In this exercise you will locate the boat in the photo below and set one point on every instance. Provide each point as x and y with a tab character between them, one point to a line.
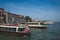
47	22
12	23
14	29
36	25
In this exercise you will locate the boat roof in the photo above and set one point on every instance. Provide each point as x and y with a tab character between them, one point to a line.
12	26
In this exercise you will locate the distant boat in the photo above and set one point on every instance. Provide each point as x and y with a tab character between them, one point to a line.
36	25
14	29
48	22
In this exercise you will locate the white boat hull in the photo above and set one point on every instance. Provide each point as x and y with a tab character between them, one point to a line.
38	26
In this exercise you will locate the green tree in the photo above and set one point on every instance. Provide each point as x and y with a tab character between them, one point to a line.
28	19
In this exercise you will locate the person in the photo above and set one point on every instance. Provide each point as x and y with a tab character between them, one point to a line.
17	24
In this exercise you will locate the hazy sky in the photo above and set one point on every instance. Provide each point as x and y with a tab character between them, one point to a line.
41	9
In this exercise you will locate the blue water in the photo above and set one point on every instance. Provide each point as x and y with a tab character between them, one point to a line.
52	32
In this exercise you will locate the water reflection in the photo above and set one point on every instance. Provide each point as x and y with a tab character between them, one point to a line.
12	37
39	34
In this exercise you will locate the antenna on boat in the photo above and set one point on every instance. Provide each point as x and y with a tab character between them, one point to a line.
36	19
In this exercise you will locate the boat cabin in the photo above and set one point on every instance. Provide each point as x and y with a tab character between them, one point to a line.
35	23
12	28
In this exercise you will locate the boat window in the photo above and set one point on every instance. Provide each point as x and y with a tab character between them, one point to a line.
21	29
6	28
0	28
41	24
14	29
33	23
9	29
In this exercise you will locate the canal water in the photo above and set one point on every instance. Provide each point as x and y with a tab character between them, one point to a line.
52	32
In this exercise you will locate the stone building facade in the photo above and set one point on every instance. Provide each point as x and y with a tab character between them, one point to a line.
7	17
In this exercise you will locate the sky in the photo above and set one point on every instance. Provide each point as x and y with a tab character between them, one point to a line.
40	9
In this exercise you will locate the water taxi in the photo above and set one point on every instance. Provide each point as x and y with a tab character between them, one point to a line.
36	25
14	29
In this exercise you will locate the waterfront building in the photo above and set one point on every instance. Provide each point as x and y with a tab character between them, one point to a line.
8	17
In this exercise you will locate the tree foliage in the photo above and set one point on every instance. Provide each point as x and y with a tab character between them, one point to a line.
28	19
